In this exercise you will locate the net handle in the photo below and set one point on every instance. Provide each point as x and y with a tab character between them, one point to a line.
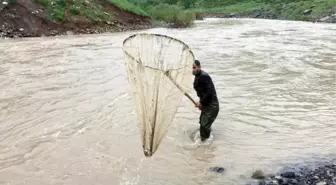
185	93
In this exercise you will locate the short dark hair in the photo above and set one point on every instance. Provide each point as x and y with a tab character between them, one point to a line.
197	63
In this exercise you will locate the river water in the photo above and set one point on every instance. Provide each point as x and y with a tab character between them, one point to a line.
67	116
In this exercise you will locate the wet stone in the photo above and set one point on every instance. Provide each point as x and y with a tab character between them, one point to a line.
217	169
324	175
258	175
321	183
290	175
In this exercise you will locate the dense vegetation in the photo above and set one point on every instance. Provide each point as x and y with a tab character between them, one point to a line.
171	13
278	9
182	12
92	10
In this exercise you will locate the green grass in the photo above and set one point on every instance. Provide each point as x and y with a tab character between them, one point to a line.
171	14
234	8
44	2
92	11
284	9
55	9
75	10
126	5
294	11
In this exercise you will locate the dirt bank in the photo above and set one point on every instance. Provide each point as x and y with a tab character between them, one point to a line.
28	18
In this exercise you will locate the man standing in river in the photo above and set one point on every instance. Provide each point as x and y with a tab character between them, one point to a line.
208	103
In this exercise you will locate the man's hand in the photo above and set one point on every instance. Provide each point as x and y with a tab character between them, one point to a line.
198	105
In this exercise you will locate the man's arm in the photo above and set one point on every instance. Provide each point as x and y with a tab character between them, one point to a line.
208	90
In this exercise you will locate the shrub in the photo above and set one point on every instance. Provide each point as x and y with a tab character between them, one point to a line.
171	14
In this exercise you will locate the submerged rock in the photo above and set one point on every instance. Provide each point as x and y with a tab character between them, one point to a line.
258	175
217	169
288	175
256	182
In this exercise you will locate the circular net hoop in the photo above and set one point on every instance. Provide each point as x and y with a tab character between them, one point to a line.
149	58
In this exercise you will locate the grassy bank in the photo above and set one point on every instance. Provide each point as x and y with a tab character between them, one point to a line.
126	5
171	14
233	8
33	18
93	10
306	10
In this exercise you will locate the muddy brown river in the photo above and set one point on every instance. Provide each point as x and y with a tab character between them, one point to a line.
67	118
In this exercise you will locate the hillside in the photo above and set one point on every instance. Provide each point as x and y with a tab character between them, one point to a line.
302	10
27	18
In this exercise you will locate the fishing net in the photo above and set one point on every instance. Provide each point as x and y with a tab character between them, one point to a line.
159	72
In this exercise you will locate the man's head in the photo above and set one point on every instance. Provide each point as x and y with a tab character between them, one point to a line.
196	67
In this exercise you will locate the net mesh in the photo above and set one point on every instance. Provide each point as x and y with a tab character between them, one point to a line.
159	71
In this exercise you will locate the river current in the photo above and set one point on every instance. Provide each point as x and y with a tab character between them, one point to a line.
67	118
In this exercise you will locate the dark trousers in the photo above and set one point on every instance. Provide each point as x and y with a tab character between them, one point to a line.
208	116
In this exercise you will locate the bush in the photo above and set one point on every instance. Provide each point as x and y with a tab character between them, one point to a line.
164	12
55	9
128	6
44	2
57	14
186	16
171	14
61	3
74	10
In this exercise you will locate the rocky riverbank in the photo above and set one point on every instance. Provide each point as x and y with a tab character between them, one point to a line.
321	175
280	12
8	31
260	13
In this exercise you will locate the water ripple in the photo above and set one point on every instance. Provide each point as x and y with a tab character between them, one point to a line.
67	116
